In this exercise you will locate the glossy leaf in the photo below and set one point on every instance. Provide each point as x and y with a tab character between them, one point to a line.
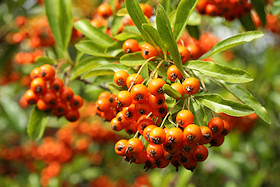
232	42
60	20
115	89
91	48
95	34
216	71
218	104
88	63
37	123
246	97
137	16
199	113
154	36
184	10
107	69
170	91
45	60
132	59
165	33
10	108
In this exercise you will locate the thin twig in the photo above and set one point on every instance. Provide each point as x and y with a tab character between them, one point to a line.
168	114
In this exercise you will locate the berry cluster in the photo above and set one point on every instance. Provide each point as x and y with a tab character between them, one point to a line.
139	110
229	9
50	94
180	146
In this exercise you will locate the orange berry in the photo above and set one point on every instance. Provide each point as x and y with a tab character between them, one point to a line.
157	135
173	73
66	94
149	51
184	53
104	10
133	79
38	85
184	118
120	77
191	86
124	98
155	86
192	133
130	46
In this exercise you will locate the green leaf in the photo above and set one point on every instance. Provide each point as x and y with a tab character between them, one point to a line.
166	5
115	49
132	59
95	34
259	7
216	71
45	60
246	97
137	16
14	113
132	30
115	89
91	48
184	10
247	22
171	92
199	113
122	12
232	42
107	69
165	33
37	123
124	36
60	21
218	104
154	36
87	64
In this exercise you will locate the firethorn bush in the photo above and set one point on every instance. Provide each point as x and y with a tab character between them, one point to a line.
90	87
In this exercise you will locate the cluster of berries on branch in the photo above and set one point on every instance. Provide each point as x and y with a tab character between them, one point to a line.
51	95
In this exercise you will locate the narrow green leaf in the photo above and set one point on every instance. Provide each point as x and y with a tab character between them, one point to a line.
166	5
37	123
95	34
216	71
91	48
10	108
199	114
170	91
165	33
154	36
184	10
247	22
122	12
260	9
246	97
124	36
232	42
132	30
115	89
107	69
60	20
194	31
137	16
45	60
218	104
132	59
115	49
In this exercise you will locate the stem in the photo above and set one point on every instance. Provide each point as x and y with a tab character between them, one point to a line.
139	72
168	114
155	70
184	103
135	134
189	101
